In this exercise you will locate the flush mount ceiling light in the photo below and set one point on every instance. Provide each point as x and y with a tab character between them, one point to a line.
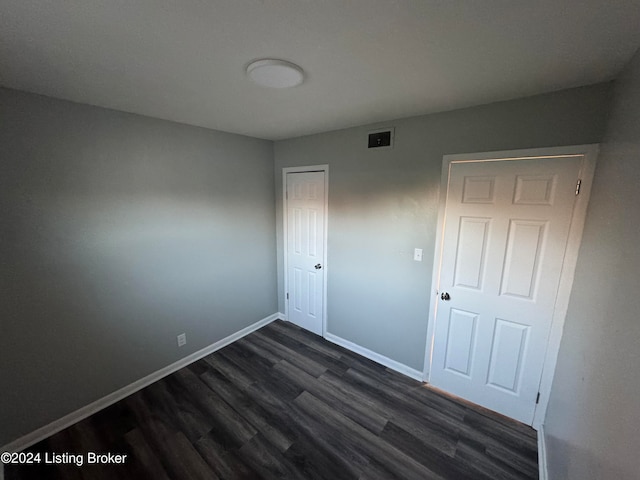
275	73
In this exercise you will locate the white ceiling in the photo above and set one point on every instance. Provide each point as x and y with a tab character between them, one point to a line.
366	60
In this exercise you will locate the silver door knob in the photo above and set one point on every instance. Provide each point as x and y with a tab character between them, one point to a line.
318	266
445	296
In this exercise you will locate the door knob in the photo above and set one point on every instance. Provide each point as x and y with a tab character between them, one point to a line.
445	296
318	266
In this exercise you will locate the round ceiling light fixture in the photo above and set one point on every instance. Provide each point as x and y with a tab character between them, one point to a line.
275	73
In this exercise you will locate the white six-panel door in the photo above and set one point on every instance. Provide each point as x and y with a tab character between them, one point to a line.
504	240
305	207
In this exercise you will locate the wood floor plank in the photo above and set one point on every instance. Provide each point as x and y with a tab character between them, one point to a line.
341	403
443	404
503	454
303	362
438	431
87	439
175	452
229	369
151	466
179	410
364	397
311	340
316	460
501	433
425	453
310	430
482	465
262	373
253	413
263	457
225	418
358	438
285	403
402	404
225	463
259	350
310	349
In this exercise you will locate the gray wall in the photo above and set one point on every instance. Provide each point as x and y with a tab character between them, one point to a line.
118	232
593	420
383	204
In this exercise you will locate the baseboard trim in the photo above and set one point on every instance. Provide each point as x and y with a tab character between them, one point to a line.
376	357
88	410
542	455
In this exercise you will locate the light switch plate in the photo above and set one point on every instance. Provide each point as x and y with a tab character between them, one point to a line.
417	254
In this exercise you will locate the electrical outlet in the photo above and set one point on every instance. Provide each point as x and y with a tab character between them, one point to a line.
182	339
417	254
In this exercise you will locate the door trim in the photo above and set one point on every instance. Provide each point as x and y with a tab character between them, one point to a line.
311	168
589	154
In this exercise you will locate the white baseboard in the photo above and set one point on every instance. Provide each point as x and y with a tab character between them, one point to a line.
88	410
542	455
376	357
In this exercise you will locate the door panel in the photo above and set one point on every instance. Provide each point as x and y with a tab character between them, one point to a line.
470	261
522	258
460	341
507	351
504	238
305	205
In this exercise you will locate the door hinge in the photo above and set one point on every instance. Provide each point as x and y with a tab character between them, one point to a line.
538	398
578	185
287	296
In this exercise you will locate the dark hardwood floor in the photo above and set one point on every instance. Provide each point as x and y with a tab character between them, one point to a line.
284	403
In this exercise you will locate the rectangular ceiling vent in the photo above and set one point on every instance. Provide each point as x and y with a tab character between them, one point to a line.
381	139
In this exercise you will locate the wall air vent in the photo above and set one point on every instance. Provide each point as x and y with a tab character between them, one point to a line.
381	139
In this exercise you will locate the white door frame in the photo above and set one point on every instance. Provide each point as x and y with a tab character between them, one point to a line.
310	168
589	154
